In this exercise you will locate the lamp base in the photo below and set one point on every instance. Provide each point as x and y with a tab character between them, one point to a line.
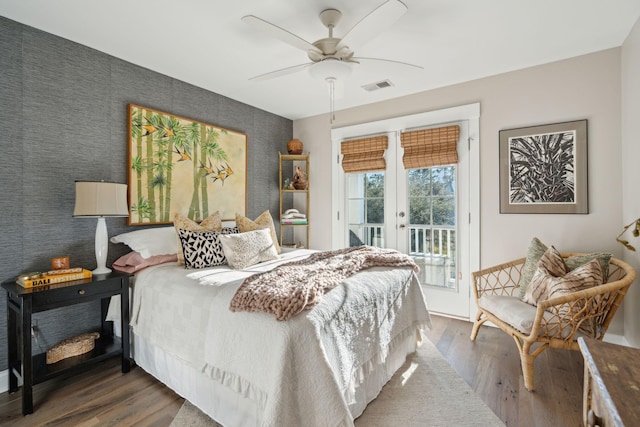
101	270
102	243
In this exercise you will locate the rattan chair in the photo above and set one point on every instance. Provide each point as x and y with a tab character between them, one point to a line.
545	326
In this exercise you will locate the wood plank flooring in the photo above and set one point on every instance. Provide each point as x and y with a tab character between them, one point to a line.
491	366
103	396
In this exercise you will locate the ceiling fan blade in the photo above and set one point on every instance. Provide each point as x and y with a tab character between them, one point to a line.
279	33
389	61
374	23
282	72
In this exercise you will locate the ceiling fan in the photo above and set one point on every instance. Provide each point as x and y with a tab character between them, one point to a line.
332	58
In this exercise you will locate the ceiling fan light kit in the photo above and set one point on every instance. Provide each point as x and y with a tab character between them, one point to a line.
330	68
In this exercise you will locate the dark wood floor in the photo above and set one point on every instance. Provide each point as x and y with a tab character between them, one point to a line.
104	396
491	366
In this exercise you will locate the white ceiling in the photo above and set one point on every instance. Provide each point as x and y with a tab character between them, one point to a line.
204	42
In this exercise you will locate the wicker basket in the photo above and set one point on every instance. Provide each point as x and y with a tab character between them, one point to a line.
73	346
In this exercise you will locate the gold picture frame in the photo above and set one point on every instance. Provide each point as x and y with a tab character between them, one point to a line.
543	169
180	165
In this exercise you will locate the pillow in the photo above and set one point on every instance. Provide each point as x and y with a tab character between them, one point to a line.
134	262
550	264
150	241
534	252
537	248
603	259
230	230
201	249
211	223
583	277
263	221
245	249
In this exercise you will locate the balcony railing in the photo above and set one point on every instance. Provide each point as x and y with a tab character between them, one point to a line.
433	249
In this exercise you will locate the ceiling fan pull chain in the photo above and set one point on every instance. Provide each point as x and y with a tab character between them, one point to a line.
331	82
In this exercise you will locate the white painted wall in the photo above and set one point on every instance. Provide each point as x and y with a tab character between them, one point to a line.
631	171
585	87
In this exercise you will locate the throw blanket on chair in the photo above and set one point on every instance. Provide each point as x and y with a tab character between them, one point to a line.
299	285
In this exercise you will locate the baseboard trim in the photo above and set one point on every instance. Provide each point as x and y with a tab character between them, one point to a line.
616	339
4	381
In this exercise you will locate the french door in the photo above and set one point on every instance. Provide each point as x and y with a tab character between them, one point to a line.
422	212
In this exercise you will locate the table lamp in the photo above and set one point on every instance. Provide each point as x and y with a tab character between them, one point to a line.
100	199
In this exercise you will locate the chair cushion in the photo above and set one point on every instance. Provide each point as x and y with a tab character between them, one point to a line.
520	315
510	310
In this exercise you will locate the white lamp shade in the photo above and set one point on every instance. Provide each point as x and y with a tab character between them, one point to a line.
99	199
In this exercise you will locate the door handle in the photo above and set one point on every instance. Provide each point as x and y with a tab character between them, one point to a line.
402	226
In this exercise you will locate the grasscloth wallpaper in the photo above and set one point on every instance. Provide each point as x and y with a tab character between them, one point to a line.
64	117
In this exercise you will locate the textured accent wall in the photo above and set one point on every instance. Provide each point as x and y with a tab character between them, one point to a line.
64	117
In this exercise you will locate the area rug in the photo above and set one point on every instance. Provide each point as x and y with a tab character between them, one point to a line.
425	391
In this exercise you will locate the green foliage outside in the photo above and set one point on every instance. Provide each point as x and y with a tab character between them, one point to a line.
432	202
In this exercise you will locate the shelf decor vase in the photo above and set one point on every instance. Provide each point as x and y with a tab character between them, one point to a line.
294	146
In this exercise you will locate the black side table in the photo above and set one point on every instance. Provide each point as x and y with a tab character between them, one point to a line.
23	302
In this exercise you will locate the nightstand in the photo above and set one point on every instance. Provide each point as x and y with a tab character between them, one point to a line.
23	302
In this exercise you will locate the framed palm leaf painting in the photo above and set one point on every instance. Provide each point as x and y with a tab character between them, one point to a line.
543	169
180	165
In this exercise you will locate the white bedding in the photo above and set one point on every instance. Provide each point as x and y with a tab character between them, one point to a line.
305	371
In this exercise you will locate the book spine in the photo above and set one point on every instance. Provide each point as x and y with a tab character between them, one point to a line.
63	271
56	278
294	222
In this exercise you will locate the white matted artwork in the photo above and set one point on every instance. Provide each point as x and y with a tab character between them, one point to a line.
543	169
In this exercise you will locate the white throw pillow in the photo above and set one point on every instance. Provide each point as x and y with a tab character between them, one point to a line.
245	249
150	241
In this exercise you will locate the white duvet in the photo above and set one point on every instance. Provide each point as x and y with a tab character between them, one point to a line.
300	372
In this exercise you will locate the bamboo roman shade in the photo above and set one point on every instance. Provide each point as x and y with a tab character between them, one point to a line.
430	147
364	154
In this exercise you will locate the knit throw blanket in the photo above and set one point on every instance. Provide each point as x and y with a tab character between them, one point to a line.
299	285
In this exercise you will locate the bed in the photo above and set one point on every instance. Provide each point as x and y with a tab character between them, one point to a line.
320	367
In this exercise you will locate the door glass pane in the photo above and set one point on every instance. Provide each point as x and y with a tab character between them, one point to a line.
356	184
366	208
356	211
432	224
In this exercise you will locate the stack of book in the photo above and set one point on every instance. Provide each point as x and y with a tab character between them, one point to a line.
294	218
29	280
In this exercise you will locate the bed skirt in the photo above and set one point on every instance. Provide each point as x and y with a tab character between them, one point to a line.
232	409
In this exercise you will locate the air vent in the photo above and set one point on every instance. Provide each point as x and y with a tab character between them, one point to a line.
378	85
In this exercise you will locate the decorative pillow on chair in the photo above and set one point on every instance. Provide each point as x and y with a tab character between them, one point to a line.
211	223
537	249
545	284
263	221
246	249
534	252
201	249
551	264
